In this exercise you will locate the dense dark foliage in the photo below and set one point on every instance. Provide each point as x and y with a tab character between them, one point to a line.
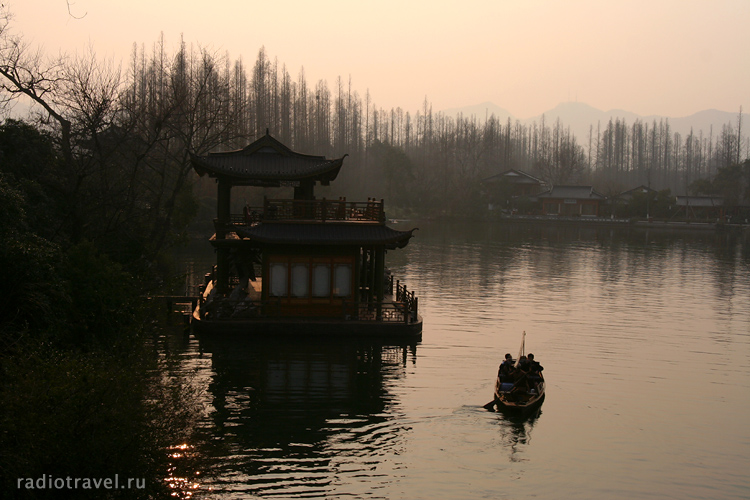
82	394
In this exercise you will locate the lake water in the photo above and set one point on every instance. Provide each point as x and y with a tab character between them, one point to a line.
645	341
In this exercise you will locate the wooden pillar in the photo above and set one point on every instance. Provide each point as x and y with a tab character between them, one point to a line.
379	279
362	275
223	216
371	276
223	205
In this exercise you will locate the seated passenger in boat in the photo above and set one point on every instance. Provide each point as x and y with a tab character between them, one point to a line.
520	375
505	373
534	369
523	364
521	380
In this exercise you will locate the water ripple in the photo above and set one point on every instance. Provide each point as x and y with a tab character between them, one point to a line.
645	341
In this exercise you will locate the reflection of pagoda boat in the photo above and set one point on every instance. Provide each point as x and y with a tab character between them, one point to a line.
290	416
299	266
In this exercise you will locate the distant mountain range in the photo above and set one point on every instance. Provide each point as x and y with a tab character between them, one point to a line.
576	115
580	117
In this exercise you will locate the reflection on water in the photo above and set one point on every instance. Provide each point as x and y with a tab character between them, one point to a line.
302	418
182	483
318	419
645	340
515	432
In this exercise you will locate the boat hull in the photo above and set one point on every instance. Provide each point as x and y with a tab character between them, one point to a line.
521	402
307	327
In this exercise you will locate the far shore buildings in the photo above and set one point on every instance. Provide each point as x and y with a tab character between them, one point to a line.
621	204
571	200
514	192
627	196
505	188
700	207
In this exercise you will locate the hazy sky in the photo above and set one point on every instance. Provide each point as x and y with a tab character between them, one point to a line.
653	57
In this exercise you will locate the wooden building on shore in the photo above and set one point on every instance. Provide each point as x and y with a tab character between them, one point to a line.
700	207
571	200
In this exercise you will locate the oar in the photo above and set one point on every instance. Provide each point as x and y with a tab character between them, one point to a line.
490	405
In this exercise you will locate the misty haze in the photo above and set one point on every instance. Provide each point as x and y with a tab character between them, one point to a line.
280	250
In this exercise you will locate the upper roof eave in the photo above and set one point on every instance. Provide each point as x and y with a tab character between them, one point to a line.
266	169
266	160
519	174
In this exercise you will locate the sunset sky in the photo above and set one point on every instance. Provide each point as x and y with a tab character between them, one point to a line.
654	57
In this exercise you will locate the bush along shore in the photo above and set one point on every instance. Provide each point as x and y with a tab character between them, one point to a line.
86	398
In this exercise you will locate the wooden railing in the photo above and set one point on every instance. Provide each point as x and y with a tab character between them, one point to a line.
226	309
404	296
311	211
323	210
222	308
386	312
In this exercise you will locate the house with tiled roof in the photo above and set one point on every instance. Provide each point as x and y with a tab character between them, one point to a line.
571	201
700	207
505	189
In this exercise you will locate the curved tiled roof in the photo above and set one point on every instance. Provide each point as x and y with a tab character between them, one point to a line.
263	166
574	192
267	160
327	234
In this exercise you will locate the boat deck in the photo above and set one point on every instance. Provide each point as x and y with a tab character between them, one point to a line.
391	317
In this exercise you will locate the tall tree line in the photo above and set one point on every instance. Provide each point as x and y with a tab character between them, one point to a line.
194	100
651	154
450	156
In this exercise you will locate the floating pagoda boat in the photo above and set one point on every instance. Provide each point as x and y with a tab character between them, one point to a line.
299	266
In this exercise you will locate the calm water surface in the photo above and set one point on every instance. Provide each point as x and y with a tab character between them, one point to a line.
645	341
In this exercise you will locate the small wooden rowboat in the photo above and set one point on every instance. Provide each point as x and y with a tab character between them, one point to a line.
518	398
519	393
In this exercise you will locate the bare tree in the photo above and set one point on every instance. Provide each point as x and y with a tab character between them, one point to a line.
27	73
739	136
